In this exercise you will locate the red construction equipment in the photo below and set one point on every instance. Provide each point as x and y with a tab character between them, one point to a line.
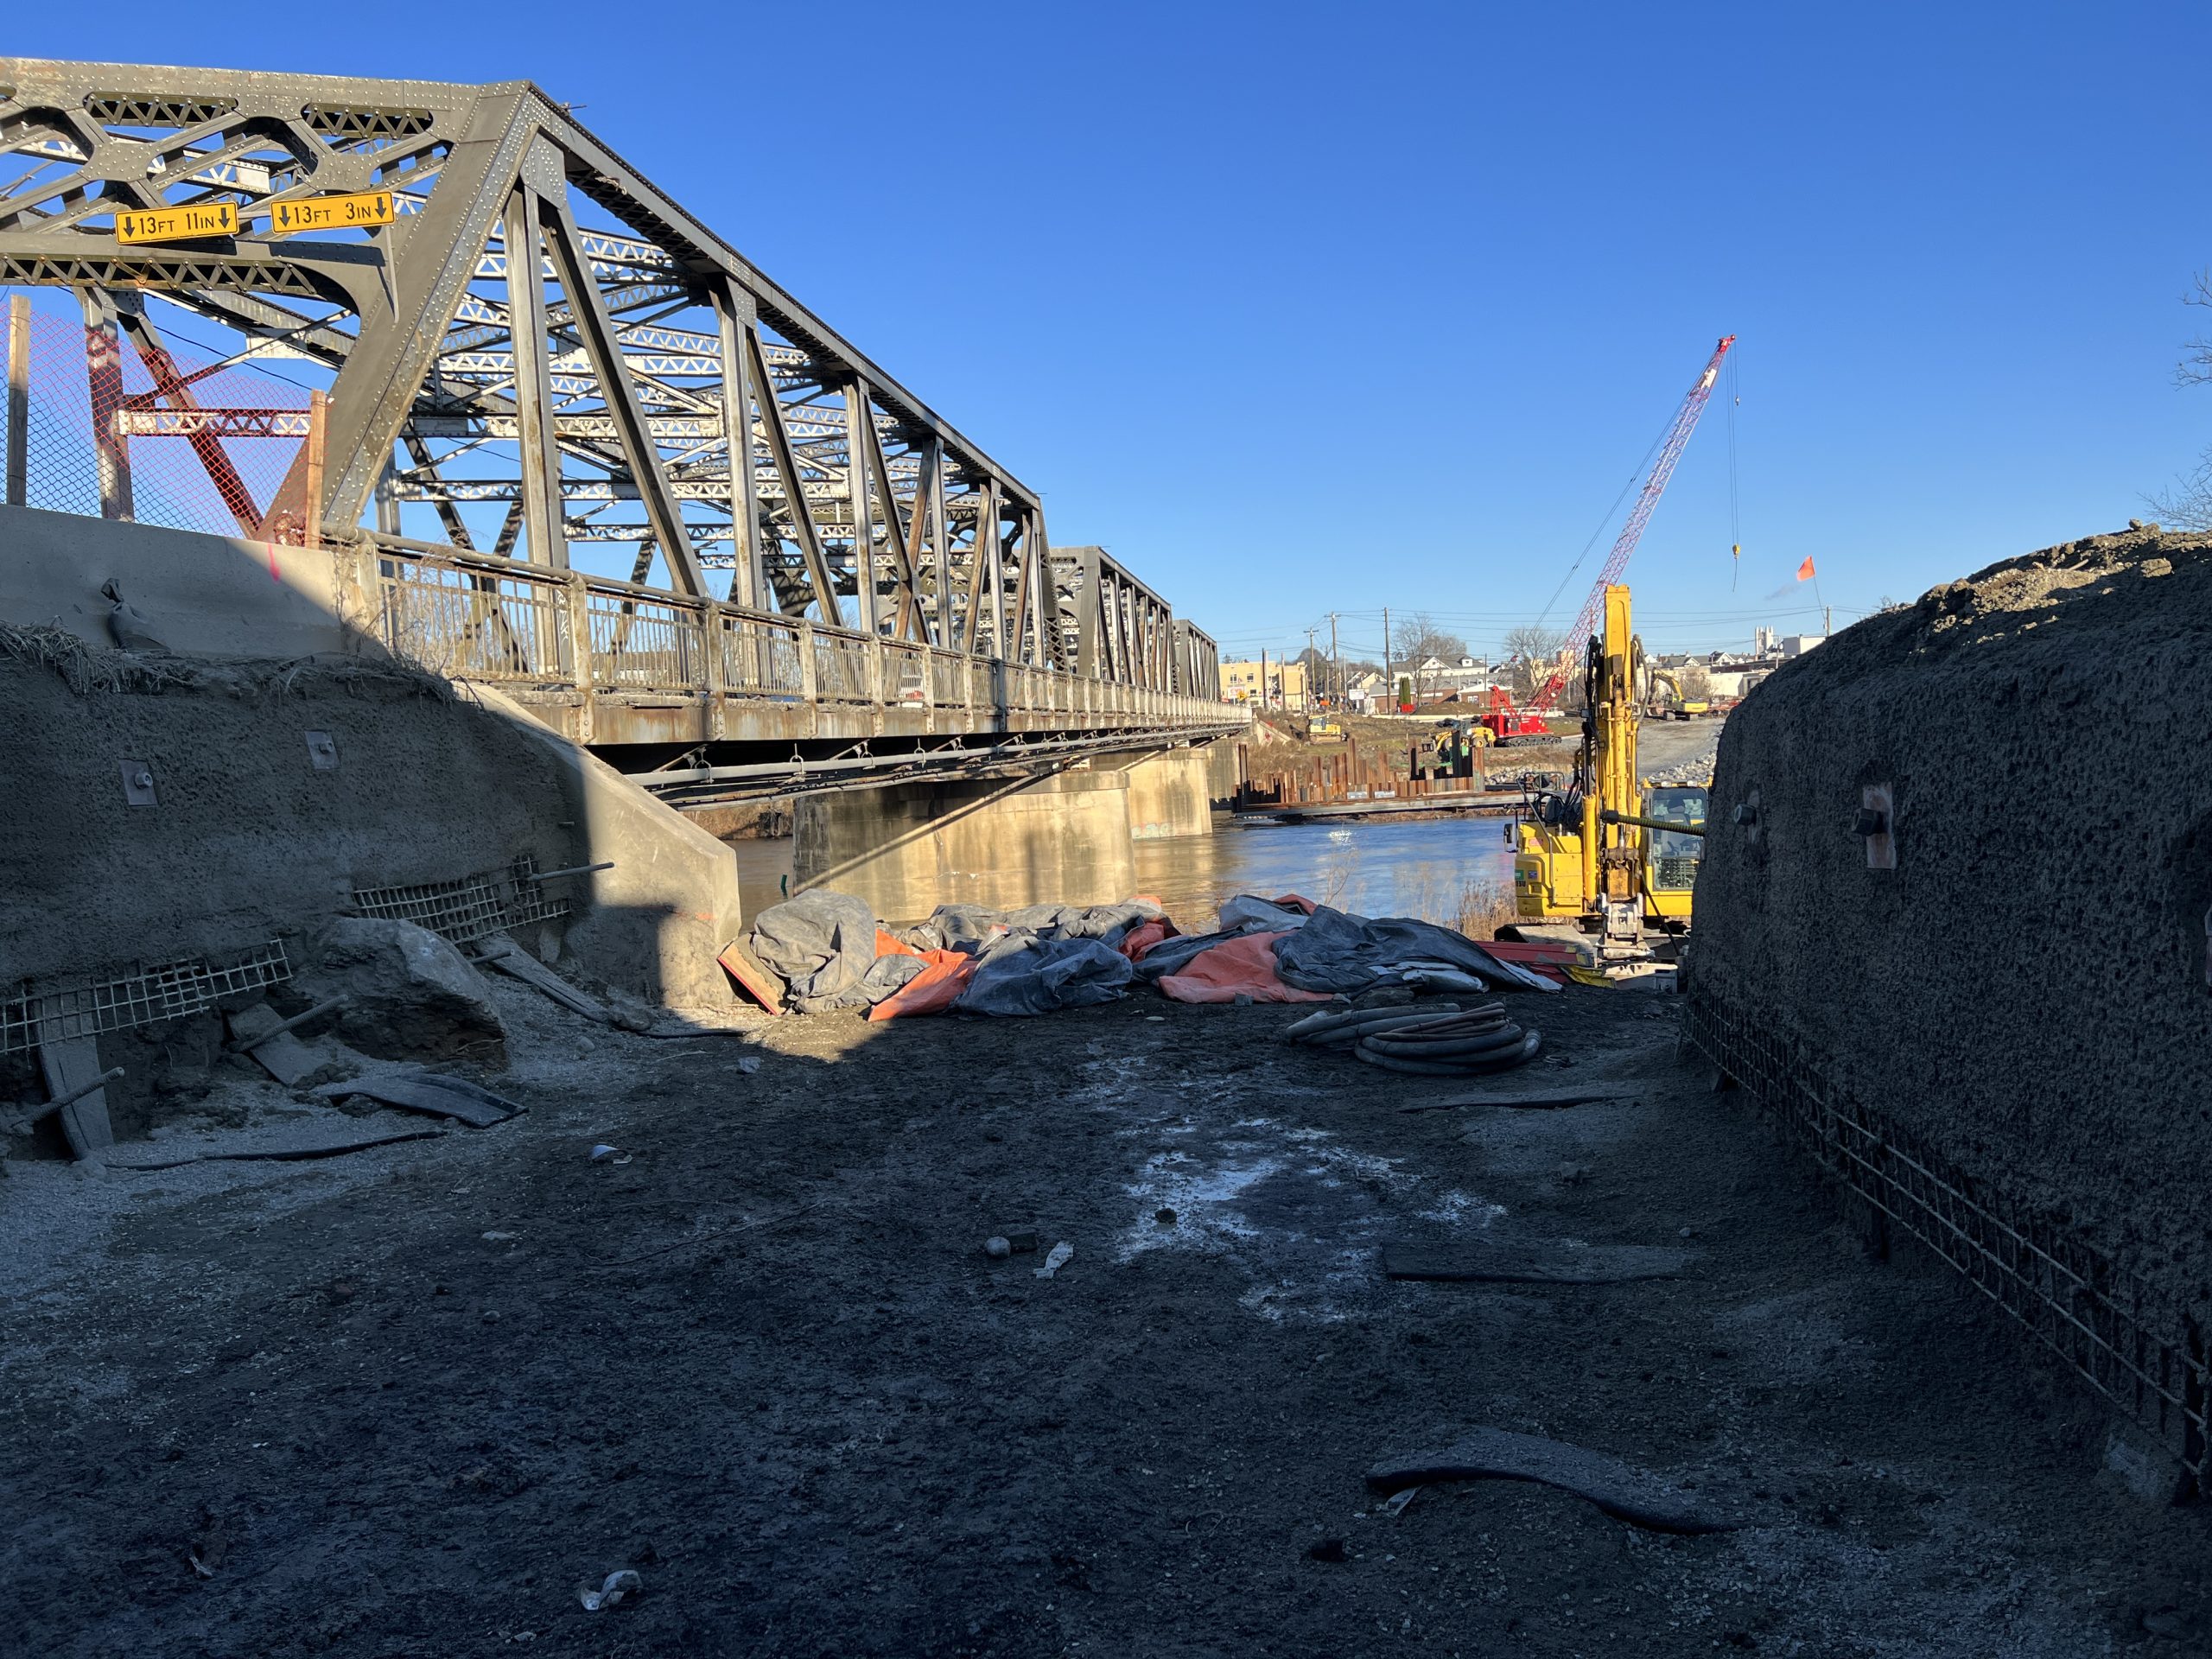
1678	436
1504	722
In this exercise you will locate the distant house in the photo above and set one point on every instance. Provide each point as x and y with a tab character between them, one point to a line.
1365	693
1433	677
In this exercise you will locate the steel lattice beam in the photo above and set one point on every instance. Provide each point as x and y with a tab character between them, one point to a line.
602	398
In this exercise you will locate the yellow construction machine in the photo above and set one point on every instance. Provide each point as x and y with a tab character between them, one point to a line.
1591	856
1605	853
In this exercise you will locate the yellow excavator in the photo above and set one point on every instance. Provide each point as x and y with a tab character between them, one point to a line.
1606	854
1601	854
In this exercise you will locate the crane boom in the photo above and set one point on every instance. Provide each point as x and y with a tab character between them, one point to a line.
1678	438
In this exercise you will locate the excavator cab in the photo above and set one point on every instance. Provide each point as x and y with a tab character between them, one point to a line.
1601	853
1670	856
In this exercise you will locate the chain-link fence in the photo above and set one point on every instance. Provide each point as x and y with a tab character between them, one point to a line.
119	421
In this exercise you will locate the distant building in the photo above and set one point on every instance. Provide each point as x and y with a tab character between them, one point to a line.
1737	678
1763	643
1433	677
1798	643
1284	686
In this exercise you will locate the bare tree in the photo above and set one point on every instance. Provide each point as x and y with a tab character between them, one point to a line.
1533	651
2187	504
1419	639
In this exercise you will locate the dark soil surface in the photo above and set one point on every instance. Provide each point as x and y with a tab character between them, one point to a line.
404	1402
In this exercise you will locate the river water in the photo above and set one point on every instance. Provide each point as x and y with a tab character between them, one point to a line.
1430	869
1377	868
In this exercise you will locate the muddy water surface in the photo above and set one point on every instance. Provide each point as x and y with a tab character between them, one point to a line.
1377	869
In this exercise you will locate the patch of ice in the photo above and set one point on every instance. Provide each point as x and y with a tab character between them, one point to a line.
1464	1208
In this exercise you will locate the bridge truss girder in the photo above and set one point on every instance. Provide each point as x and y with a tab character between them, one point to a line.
1112	626
597	403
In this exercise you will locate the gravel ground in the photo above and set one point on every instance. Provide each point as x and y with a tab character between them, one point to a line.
1677	751
406	1401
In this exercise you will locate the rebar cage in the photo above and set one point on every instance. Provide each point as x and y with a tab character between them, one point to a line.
2105	1323
142	996
471	908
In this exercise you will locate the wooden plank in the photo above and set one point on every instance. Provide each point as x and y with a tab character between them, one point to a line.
282	1154
1540	1102
1619	1489
70	1063
432	1092
1551	1264
760	982
260	1033
511	958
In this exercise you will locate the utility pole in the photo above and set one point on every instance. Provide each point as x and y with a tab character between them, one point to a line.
1336	667
1389	682
1309	655
1263	677
1827	621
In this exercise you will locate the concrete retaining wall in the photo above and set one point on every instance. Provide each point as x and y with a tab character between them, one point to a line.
247	840
2025	993
210	595
655	923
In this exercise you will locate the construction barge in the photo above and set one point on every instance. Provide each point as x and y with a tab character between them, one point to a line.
1351	786
1483	803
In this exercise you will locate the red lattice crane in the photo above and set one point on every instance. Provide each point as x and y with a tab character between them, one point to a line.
1678	436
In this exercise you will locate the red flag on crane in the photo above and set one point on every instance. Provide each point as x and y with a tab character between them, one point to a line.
1805	570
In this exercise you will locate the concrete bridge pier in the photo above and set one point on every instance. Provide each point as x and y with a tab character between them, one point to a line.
1068	838
1171	791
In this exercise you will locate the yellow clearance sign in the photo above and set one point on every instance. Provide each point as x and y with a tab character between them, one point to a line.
367	210
178	224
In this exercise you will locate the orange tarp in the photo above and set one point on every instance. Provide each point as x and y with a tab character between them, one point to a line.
1141	938
932	990
1244	966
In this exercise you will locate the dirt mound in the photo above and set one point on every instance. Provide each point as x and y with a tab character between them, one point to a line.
2026	992
2097	584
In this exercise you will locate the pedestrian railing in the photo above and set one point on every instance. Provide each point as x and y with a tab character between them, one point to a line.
473	616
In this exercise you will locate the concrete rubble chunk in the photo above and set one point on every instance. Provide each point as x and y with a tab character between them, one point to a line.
2142	1468
410	995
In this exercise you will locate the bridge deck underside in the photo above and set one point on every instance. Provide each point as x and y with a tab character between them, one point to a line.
605	719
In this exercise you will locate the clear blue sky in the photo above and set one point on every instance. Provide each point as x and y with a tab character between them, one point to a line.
1300	307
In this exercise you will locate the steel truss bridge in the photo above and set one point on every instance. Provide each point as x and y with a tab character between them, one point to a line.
544	351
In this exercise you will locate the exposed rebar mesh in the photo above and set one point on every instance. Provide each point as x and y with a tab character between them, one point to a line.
42	1014
2105	1323
471	908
